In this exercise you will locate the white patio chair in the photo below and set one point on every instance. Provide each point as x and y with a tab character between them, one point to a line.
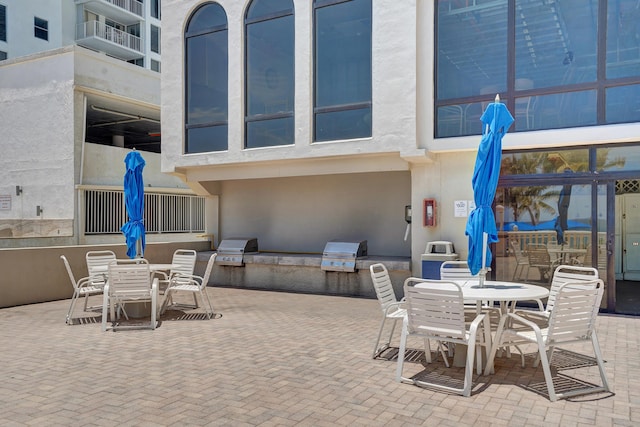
129	280
571	320
98	264
521	270
184	261
435	310
460	271
391	307
82	287
561	275
193	284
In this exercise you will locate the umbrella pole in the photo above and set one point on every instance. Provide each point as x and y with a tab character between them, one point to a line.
483	270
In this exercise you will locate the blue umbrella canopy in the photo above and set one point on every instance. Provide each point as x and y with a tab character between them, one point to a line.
495	123
133	229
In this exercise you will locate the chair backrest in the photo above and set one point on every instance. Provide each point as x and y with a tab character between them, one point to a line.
456	270
185	261
517	252
575	310
538	255
435	308
207	271
129	278
68	267
383	286
569	273
98	263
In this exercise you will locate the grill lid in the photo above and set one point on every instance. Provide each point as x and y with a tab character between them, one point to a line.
340	255
231	251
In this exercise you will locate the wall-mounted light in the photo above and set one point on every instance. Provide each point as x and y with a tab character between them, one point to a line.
18	190
39	210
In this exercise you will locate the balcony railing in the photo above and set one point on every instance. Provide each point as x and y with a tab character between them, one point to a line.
111	34
104	212
132	6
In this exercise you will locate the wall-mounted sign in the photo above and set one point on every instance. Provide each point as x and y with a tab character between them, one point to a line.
5	202
460	208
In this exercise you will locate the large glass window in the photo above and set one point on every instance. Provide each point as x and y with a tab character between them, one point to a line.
206	80
269	27
552	62
342	75
155	8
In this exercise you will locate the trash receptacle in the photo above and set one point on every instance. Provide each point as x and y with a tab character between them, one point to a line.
435	254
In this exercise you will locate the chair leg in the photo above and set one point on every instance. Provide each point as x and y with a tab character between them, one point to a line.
105	304
208	301
375	347
402	349
154	308
71	306
546	368
598	353
468	370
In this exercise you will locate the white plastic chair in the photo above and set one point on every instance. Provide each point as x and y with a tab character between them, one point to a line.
193	284
571	320
522	262
82	287
561	275
129	280
435	310
98	264
391	307
185	262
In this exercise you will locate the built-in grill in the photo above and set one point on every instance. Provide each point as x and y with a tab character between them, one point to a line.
231	251
341	255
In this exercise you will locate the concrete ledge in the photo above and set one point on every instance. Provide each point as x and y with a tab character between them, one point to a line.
301	273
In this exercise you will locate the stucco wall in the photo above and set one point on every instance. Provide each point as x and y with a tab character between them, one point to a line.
300	214
32	275
393	96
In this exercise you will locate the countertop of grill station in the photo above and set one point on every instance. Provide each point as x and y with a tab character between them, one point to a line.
313	260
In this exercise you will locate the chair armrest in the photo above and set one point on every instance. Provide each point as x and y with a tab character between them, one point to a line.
523	321
88	281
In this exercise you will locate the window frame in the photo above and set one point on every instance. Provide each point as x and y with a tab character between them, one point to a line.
40	31
266	117
344	107
197	33
511	94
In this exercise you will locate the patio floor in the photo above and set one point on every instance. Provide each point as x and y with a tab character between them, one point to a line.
277	358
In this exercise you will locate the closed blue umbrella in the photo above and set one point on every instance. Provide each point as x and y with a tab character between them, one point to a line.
495	123
133	229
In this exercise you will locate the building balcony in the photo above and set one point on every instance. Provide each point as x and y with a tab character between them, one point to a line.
125	12
117	43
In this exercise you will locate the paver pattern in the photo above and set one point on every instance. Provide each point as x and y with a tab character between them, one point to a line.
276	359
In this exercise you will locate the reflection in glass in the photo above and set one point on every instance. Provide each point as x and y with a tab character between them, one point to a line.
342	94
623	103
537	162
541	228
347	124
556	42
472	49
269	73
205	139
206	80
623	38
564	110
268	133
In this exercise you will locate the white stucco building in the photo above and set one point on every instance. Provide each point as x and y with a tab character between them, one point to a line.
323	119
79	88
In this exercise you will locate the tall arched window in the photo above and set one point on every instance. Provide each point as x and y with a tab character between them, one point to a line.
269	31
342	74
206	73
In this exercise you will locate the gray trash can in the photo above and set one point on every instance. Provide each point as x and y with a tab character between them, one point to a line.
435	254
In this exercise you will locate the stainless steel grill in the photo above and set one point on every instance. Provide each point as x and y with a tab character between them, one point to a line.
231	251
340	255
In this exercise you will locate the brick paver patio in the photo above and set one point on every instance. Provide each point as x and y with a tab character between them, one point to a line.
276	358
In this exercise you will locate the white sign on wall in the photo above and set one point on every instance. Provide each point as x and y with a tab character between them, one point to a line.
460	208
5	202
